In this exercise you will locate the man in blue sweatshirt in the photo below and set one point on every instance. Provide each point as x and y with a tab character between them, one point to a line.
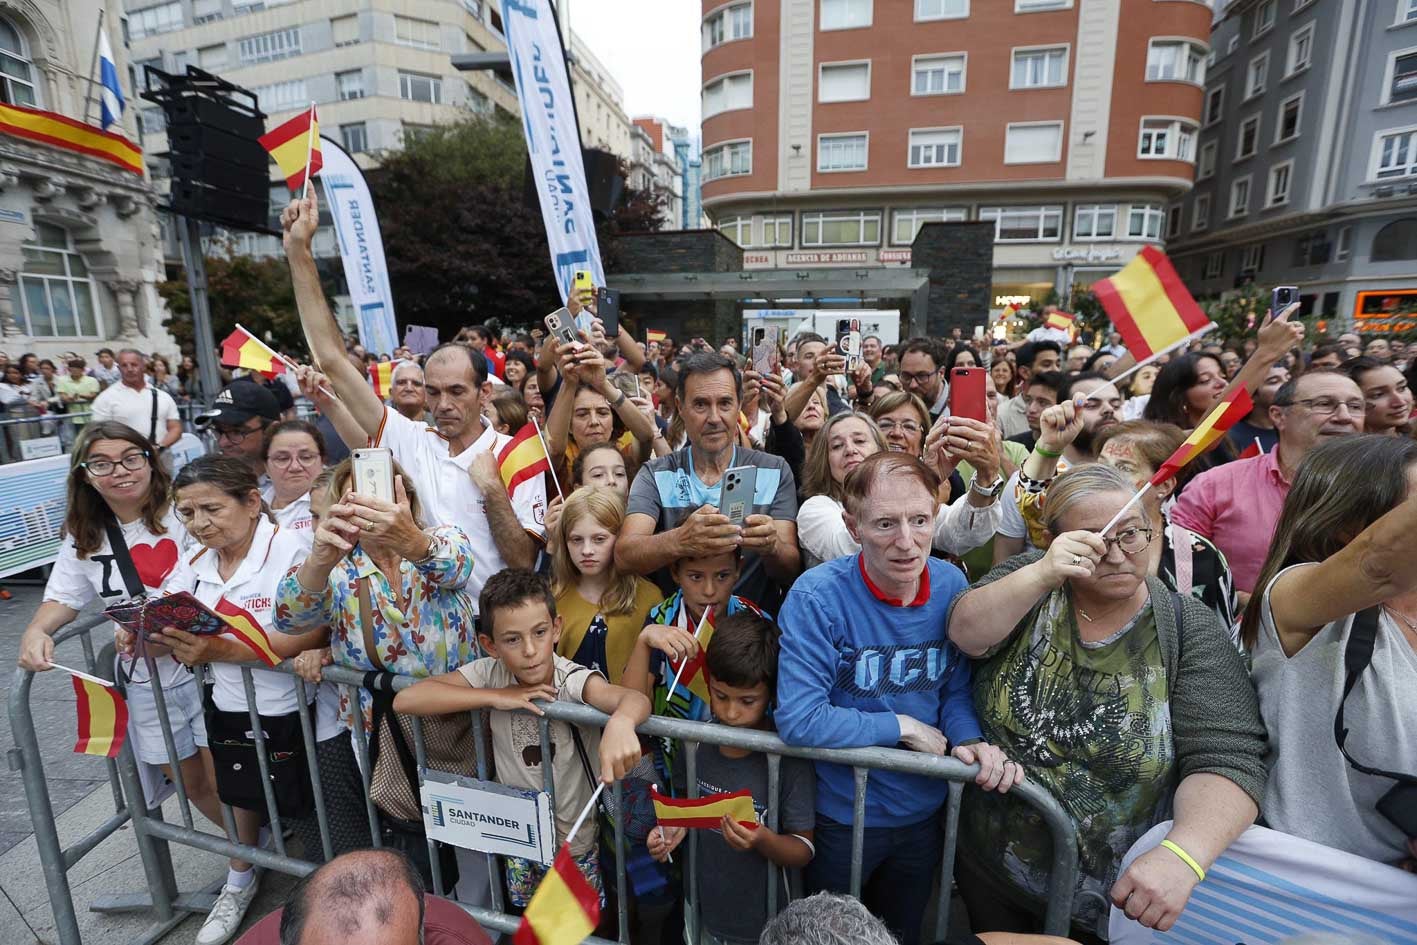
866	661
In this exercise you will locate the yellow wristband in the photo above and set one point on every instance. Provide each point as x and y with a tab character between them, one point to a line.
1185	858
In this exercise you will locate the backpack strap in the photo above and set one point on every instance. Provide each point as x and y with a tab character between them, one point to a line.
1357	656
124	559
152	429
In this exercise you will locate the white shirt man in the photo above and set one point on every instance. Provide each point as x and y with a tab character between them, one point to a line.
150	411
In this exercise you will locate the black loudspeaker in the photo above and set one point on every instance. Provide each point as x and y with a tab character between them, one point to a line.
603	181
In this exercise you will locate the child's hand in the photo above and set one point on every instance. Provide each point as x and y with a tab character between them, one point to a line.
740	837
619	749
520	697
677	644
664	841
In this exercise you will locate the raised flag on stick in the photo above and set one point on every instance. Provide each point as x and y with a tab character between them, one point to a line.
381	375
103	716
1256	448
1150	307
1063	321
525	457
698	679
295	146
565	907
241	349
704	813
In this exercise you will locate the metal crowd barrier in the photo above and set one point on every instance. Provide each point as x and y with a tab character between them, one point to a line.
170	906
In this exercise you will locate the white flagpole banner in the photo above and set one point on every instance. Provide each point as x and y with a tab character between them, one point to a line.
1270	886
361	247
553	139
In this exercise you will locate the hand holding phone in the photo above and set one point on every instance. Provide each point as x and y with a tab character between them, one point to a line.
967	394
1282	297
562	328
373	470
607	309
735	498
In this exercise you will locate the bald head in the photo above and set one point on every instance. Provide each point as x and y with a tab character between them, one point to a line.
369	897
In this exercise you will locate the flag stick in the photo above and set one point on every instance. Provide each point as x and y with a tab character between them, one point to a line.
309	152
1141	364
1259	446
669	856
1130	502
703	622
585	811
278	356
93	67
75	672
550	466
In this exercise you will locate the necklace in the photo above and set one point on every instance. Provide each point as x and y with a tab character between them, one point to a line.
1411	622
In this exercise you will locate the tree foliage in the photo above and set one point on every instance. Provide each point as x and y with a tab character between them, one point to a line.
254	291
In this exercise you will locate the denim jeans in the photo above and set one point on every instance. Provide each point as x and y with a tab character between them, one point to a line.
897	869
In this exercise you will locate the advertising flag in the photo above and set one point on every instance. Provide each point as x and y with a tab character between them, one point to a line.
1150	306
295	146
1221	418
705	813
361	249
103	719
523	458
564	909
248	630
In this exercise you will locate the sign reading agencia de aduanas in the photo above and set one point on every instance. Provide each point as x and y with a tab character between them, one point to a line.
488	817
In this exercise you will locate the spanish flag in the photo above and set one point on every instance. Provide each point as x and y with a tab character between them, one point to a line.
1253	450
1010	310
1062	321
103	719
1149	306
695	674
67	134
705	813
246	629
565	908
523	458
381	375
654	335
244	350
293	144
1221	418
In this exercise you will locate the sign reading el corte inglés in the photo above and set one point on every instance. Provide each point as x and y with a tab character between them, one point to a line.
488	817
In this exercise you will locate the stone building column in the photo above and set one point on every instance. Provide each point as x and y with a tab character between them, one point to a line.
10	311
123	293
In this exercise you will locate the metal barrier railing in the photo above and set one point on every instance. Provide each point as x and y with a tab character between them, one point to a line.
152	833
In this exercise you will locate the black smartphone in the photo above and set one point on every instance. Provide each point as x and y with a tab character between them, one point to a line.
1283	297
607	309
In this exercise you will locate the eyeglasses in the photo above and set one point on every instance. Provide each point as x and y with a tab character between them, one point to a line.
286	460
1328	405
236	434
104	467
904	426
1130	540
918	377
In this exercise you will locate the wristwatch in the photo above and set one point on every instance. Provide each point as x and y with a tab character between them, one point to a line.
988	492
618	401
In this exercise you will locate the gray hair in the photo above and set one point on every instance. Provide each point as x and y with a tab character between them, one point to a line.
406	364
133	351
826	919
1078	483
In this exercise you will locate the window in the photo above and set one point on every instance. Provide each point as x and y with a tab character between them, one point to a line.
1214	105
844	82
727	93
1024	224
937	75
1277	191
416	87
206	11
1406	11
941	9
1214	266
1233	45
906	224
55	287
1169	60
1173	221
350	85
728	160
17	85
841	152
479	103
935	147
842	228
1289	113
1145	222
1200	213
845	14
1167	138
728	23
739	229
1344	249
1039	68
777	230
1312	249
420	34
345	30
1404	78
1033	143
1264	18
266	47
1252	259
1205	164
282	96
1395	241
163	18
1240	196
1301	50
1095	221
1257	76
152	120
212	58
1038	6
354	137
413	132
1248	139
1397	155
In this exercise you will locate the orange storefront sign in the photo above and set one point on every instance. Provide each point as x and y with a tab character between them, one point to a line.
1386	311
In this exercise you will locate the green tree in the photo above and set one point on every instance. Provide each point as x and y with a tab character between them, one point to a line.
254	291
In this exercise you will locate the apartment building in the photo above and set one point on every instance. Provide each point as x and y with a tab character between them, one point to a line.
834	129
1307	159
657	166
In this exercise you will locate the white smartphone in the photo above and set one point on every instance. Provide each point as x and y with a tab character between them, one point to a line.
562	328
373	472
735	498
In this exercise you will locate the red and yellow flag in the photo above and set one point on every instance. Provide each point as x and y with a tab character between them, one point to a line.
1253	450
381	375
705	813
248	630
565	908
1221	418
695	676
293	144
1063	321
103	719
1149	306
653	335
55	130
523	458
241	349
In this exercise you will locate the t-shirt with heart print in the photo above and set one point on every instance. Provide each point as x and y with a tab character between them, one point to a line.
76	582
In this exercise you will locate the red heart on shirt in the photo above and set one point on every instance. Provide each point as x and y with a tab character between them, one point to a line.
154	562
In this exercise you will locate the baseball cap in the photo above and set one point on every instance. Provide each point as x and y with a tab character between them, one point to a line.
238	402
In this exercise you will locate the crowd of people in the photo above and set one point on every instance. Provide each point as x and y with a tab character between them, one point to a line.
901	577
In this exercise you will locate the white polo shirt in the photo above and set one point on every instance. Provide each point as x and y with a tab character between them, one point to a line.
135	408
448	495
296	518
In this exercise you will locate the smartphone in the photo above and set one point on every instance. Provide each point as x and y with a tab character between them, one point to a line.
848	341
626	382
562	327
764	344
373	472
735	498
1283	297
978	332
607	309
583	281
967	394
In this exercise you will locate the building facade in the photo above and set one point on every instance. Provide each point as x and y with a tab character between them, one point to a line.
80	253
834	129
1307	159
655	166
600	103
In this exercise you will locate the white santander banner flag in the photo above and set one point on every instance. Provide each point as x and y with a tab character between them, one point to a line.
1270	886
553	139
361	248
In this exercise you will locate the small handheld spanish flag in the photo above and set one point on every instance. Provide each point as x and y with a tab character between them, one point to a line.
103	719
248	630
1150	306
1221	418
295	146
655	336
523	458
1063	321
241	349
704	813
694	671
381	375
565	908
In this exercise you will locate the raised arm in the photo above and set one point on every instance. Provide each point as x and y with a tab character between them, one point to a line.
315	387
300	220
1277	337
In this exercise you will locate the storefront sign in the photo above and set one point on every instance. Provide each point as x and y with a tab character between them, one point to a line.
895	255
801	259
1092	254
488	817
1386	311
757	260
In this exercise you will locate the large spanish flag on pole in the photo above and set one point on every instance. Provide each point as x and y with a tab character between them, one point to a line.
70	135
295	146
565	908
103	719
1221	418
705	813
241	349
247	629
1150	306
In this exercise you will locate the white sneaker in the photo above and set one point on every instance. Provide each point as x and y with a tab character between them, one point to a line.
227	912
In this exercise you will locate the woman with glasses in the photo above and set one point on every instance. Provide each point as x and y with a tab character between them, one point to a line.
1122	698
294	451
903	420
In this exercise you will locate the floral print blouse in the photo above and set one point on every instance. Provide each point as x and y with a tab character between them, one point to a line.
433	633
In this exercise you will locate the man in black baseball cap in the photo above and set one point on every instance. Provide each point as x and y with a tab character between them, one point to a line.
239	415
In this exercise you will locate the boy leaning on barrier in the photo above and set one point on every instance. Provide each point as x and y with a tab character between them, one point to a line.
520	629
735	861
